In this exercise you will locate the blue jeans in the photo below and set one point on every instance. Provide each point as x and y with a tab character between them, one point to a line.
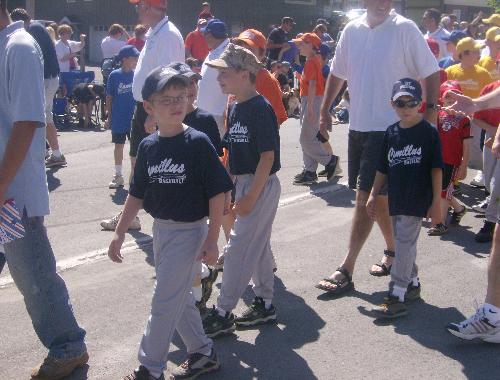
32	265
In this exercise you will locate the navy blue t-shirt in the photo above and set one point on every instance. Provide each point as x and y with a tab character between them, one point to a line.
176	176
42	37
252	130
204	122
408	156
119	86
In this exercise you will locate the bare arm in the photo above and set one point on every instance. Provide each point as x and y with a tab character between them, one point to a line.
109	107
432	83
465	105
210	251
333	86
485	126
371	204
437	183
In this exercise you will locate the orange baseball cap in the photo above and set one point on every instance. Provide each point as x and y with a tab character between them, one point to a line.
253	38
311	38
154	3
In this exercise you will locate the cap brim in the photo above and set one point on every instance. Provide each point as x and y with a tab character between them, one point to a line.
247	41
403	93
193	74
218	64
486	21
298	40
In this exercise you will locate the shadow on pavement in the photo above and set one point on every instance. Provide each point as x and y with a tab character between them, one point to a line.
471	195
146	248
52	182
79	374
343	197
119	196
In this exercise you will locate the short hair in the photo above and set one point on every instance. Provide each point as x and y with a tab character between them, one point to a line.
64	28
140	29
435	14
115	29
20	14
321	27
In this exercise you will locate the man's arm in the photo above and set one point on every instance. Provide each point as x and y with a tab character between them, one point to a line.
432	83
468	106
15	153
333	86
485	126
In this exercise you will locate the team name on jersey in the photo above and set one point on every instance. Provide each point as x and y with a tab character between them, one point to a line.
238	133
167	172
407	156
124	88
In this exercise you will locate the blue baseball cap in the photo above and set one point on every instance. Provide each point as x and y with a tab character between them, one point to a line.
128	51
159	78
184	69
406	87
216	28
324	50
455	36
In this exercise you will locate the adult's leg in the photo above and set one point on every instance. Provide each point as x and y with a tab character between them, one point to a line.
493	290
51	86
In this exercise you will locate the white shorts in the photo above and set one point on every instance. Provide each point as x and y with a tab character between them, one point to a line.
51	86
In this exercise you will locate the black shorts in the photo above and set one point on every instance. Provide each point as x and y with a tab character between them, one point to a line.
119	138
137	132
449	177
82	93
363	155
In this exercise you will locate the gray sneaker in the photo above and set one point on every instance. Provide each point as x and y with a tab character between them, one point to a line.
195	365
117	182
54	161
110	224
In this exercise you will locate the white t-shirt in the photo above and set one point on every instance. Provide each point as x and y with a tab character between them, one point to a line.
210	96
164	45
437	36
62	49
372	60
111	46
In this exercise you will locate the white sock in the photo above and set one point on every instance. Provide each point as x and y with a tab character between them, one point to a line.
118	170
156	375
205	272
57	153
221	312
415	281
268	303
492	312
399	292
196	293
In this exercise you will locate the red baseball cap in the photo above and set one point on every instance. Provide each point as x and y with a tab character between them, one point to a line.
154	3
311	38
450	85
253	38
434	46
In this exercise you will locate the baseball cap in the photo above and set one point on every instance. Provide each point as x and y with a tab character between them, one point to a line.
449	85
216	28
154	3
455	36
237	57
468	43
322	21
493	19
184	69
493	34
253	38
128	51
287	20
159	78
324	50
311	38
406	87
433	45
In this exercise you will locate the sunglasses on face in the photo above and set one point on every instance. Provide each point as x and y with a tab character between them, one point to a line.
171	101
408	104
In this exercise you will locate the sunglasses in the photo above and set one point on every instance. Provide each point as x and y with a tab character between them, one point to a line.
408	104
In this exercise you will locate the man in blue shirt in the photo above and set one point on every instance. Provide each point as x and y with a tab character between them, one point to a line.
22	178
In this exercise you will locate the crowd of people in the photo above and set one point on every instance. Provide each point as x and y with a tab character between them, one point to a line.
203	117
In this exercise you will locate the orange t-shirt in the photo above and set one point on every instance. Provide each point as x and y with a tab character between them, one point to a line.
197	45
313	70
268	86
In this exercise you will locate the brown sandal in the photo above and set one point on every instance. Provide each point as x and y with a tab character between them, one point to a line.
341	286
386	269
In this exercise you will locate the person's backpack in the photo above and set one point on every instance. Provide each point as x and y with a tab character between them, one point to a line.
107	66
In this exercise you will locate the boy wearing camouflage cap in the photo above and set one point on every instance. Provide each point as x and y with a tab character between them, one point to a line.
254	158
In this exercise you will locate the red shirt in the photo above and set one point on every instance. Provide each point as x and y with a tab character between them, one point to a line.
197	45
491	116
453	130
137	42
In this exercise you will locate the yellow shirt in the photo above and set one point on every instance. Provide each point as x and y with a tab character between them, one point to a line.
471	80
490	64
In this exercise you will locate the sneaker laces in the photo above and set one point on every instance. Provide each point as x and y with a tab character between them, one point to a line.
116	218
193	358
475	317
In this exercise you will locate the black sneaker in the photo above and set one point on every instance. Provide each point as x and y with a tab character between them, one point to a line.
256	314
323	173
214	324
413	292
305	178
142	373
485	234
206	288
456	217
331	168
391	308
195	365
438	230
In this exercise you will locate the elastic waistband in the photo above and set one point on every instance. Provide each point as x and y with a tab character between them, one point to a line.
249	177
167	223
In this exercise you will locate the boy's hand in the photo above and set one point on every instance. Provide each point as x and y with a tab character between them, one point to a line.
371	207
115	247
209	252
434	213
244	206
462	172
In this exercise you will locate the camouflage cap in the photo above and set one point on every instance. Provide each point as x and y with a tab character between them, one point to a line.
237	57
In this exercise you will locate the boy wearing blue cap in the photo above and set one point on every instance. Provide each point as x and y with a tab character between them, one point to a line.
411	166
451	47
120	105
179	180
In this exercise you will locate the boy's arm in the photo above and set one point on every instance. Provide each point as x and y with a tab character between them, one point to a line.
311	93
434	212
371	204
210	251
109	106
462	170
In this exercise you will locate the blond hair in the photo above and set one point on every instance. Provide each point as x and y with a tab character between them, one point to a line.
64	28
115	29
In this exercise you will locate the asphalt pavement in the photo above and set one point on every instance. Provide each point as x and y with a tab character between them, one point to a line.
316	337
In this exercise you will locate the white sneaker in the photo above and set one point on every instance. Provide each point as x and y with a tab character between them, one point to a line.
338	170
110	224
476	327
116	182
478	180
481	207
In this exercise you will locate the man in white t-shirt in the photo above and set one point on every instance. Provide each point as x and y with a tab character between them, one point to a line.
430	21
374	51
112	43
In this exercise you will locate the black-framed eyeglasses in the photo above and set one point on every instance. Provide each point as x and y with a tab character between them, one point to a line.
408	104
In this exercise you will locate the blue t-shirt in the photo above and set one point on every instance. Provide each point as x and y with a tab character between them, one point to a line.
408	156
446	62
120	88
177	176
291	53
204	122
42	37
252	130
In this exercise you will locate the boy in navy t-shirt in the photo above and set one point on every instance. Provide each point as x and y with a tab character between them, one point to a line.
253	142
180	181
120	107
412	167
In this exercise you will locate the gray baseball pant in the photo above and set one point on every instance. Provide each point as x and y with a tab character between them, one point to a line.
249	256
312	149
406	232
176	247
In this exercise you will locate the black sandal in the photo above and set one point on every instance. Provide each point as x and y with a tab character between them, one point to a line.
341	286
386	270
